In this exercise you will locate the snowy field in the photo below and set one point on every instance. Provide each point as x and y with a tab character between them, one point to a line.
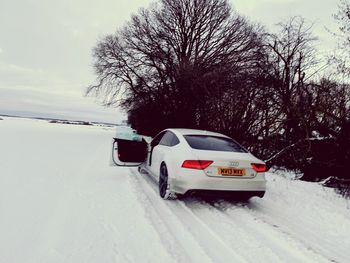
61	202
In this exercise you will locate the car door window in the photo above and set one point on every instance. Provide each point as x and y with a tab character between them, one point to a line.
169	139
166	140
175	140
157	139
154	143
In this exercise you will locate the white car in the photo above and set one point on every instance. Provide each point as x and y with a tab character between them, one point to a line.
184	161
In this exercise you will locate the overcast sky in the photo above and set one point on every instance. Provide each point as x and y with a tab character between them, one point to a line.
45	48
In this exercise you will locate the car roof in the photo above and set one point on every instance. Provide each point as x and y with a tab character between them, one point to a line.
195	132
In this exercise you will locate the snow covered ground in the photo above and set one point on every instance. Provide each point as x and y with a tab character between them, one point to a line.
61	202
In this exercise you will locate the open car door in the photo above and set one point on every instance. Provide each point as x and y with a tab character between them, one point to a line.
126	152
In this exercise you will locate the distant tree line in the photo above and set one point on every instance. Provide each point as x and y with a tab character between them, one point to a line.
199	64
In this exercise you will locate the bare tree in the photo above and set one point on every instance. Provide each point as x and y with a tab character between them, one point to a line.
291	56
342	58
198	64
175	57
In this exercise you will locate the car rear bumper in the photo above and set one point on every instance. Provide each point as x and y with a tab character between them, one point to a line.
199	181
234	195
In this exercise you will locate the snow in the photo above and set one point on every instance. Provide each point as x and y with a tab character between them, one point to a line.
61	202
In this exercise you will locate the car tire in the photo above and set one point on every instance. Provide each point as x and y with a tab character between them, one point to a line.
163	183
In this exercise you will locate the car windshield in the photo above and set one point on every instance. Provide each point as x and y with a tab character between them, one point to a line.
213	143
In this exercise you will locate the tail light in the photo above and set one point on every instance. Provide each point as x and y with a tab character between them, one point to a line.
196	164
259	167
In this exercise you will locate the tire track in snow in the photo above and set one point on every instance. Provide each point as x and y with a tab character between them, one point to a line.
160	225
234	234
285	247
175	238
310	239
197	231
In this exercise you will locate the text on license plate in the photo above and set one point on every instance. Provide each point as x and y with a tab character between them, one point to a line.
231	171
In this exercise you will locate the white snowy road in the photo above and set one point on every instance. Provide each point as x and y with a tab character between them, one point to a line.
61	202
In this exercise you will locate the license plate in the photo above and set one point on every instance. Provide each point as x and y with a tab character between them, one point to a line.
231	171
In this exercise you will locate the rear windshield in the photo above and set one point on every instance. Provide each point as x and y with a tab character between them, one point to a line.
213	143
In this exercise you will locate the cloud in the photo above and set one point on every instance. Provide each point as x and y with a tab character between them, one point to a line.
38	92
48	62
12	68
12	75
246	5
262	10
35	102
45	54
